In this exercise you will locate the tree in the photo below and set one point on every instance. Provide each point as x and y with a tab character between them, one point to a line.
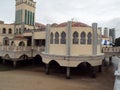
117	41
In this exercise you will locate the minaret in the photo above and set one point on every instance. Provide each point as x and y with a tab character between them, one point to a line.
24	15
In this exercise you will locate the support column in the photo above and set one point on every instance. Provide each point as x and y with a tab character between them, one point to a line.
68	73
47	69
110	60
95	38
100	37
3	61
100	68
93	73
14	64
47	39
68	38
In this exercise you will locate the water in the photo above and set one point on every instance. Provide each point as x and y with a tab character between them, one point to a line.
115	61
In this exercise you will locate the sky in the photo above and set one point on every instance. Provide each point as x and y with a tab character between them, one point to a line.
57	11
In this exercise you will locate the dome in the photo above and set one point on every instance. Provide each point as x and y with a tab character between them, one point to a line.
74	24
39	25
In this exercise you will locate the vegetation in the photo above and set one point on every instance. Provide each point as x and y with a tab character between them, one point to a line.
117	41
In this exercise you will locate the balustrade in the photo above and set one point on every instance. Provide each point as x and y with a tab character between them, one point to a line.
21	48
110	49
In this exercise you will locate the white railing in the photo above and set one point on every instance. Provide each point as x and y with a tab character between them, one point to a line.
110	49
21	48
36	48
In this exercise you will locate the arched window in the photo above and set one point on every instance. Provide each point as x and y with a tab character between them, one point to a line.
10	31
75	37
83	38
89	40
51	38
25	29
12	43
63	38
4	31
19	30
16	31
56	38
6	41
21	43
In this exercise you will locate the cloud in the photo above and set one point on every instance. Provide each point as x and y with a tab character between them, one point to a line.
57	11
83	10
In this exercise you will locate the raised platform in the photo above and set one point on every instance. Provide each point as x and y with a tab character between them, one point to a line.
73	61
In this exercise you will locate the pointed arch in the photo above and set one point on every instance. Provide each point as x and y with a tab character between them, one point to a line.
9	31
4	31
63	38
21	43
51	38
6	41
83	38
56	38
89	38
75	37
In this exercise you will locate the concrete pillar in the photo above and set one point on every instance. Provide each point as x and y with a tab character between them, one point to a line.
22	28
14	64
100	68
68	38
32	43
47	69
3	61
110	60
100	37
47	38
68	73
93	73
95	38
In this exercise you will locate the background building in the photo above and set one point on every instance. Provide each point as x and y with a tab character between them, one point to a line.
106	32
112	34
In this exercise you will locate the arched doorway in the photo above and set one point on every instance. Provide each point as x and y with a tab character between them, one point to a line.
12	43
23	61
21	43
38	60
6	41
55	67
83	69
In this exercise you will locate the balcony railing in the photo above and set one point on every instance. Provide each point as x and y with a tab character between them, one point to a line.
111	49
21	48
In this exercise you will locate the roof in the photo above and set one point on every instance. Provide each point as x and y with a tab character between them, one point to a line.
74	24
103	36
18	37
39	25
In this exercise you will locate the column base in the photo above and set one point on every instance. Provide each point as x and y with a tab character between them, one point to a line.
68	77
